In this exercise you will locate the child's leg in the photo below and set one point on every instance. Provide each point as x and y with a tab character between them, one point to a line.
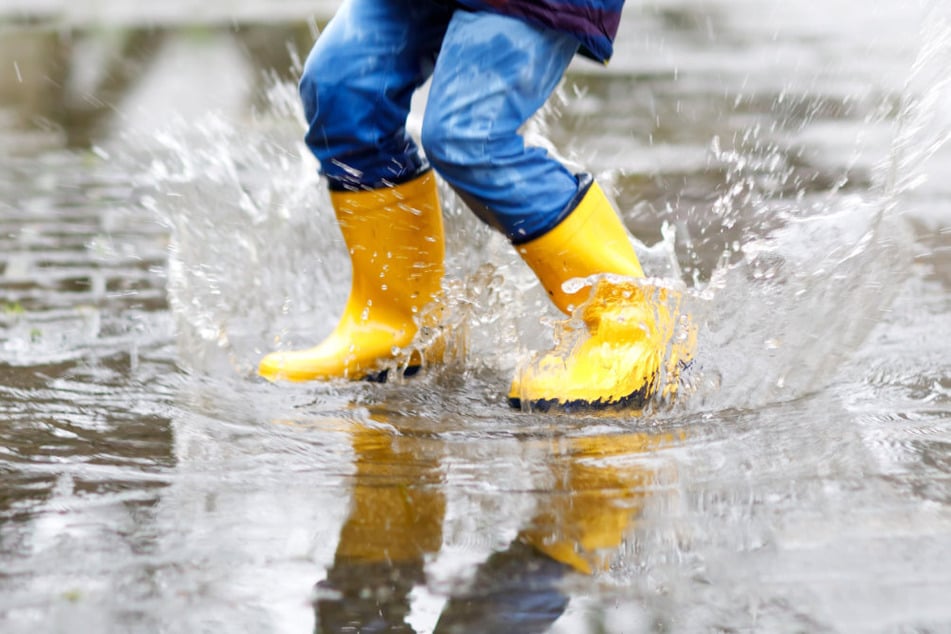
356	89
357	85
493	73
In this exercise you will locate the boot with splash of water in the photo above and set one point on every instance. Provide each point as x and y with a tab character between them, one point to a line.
394	236
619	358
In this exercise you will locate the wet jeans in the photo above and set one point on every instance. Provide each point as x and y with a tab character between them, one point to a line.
490	73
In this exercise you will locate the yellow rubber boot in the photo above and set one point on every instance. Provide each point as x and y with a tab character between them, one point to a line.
616	360
395	239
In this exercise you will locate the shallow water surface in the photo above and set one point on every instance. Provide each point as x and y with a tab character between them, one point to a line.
162	227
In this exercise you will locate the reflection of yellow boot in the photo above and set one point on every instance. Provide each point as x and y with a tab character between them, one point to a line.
601	483
395	239
397	508
394	524
617	359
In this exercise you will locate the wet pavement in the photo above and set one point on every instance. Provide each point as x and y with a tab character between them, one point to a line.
161	227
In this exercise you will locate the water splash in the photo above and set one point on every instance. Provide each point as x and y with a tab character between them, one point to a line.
810	278
924	126
256	261
801	276
248	239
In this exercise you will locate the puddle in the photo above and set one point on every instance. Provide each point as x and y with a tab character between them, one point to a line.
162	227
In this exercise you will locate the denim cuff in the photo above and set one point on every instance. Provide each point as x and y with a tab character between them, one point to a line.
585	181
348	183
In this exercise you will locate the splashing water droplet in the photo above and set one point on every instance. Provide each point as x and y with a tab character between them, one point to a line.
575	284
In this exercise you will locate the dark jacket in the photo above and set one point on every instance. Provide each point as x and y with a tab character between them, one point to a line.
593	22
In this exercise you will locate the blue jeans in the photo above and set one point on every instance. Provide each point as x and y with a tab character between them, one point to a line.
490	74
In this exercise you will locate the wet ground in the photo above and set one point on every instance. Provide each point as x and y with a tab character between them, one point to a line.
161	227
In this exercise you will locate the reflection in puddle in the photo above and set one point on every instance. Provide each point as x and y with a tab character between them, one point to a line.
395	524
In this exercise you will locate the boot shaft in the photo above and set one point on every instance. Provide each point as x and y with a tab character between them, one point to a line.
591	240
394	238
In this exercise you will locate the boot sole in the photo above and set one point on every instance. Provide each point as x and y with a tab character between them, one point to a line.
383	376
635	400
